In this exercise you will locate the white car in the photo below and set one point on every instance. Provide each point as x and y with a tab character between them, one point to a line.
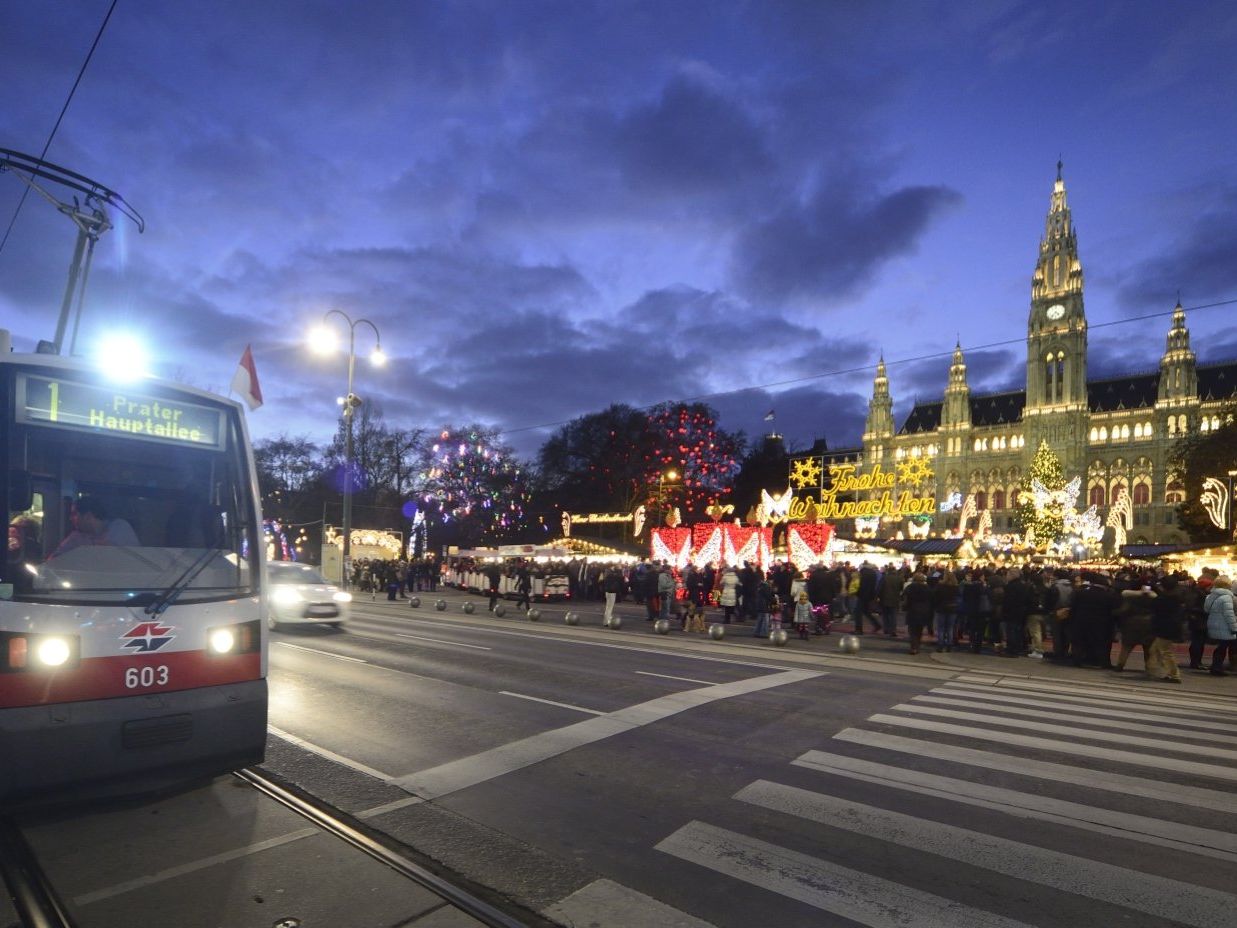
300	595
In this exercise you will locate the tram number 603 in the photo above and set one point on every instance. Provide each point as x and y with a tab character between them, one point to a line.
136	677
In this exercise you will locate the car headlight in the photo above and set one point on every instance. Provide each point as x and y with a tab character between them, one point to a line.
342	597
286	595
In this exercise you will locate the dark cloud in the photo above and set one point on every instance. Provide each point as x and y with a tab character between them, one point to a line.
826	248
1200	262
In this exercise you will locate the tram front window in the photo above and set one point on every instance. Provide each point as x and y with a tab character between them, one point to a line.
104	518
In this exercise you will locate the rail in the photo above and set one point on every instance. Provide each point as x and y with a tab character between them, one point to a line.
33	896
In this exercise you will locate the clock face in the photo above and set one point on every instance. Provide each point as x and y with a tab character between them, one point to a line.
1055	311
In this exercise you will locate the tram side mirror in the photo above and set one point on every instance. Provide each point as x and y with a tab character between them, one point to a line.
21	491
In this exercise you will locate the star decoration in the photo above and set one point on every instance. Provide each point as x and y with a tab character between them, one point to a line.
806	472
914	471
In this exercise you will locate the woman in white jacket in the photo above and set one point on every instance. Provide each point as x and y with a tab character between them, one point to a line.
729	592
1221	622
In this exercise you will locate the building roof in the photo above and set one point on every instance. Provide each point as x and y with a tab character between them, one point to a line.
1136	392
924	546
1217	381
1152	552
989	409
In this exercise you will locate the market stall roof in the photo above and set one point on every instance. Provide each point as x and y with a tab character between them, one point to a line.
1151	552
923	546
578	544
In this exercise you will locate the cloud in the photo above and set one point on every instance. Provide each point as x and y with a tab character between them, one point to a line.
826	248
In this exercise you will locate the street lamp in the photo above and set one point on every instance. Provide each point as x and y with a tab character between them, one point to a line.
322	340
669	476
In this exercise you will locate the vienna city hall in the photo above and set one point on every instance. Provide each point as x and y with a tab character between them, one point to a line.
969	454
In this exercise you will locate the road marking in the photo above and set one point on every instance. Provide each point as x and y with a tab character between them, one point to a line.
338	657
1188	838
1092	706
606	904
852	894
666	676
1064	747
1163	898
1125	694
1126	723
551	702
508	758
328	754
1162	744
453	644
1200	797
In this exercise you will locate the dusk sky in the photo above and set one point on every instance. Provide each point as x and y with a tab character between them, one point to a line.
549	207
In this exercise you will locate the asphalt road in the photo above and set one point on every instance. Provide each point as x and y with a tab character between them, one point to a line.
622	779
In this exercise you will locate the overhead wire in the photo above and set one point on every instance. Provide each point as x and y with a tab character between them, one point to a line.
64	109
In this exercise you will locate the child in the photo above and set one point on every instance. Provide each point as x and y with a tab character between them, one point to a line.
803	615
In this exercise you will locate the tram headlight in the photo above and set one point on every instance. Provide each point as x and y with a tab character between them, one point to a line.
241	638
19	651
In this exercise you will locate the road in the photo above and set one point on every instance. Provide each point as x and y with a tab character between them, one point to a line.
621	778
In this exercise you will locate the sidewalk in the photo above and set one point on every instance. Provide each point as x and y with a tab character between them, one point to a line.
877	651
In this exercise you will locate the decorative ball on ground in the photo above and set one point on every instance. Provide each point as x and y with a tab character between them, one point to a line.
441	605
717	632
662	626
571	618
778	637
534	615
605	623
848	644
499	609
469	608
616	623
414	602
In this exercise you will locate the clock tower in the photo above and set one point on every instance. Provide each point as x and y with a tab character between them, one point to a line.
1056	403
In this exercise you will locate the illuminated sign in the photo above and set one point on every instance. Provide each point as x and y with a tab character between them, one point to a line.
66	404
892	503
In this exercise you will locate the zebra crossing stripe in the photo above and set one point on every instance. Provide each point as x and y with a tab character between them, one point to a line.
1124	724
1188	838
1197	796
1120	710
1197	768
1161	744
1170	900
1126	695
852	894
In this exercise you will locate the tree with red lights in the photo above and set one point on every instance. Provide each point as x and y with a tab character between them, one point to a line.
686	440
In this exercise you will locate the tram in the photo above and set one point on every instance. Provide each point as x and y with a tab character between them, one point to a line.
132	632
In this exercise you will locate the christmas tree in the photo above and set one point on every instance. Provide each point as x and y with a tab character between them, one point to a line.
1042	515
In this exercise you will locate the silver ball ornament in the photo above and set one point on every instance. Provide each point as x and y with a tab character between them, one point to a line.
717	632
616	623
534	615
414	602
469	608
499	609
848	644
441	605
662	626
571	618
779	637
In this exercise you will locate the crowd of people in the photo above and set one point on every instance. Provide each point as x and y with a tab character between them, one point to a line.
1041	613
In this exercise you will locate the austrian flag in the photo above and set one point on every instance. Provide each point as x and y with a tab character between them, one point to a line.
245	381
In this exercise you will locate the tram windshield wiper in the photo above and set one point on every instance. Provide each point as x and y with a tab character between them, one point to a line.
160	603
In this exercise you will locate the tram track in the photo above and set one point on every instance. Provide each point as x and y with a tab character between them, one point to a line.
329	820
36	901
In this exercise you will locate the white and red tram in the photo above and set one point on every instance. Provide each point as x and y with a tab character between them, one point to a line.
132	655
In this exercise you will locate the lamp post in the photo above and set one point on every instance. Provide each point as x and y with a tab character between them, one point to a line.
322	340
669	476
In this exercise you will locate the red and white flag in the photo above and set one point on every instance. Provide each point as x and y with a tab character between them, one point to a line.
245	381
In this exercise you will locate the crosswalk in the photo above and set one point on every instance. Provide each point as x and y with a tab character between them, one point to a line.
1039	801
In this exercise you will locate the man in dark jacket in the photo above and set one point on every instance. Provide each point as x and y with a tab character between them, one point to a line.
1167	617
1090	616
1016	607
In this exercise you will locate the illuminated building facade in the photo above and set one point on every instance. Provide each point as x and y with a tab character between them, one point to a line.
1116	434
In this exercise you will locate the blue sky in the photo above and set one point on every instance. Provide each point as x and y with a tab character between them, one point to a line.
547	207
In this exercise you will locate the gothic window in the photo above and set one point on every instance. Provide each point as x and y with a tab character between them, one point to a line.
998	499
1182	423
1125	433
1056	271
978	445
1095	495
1178	378
1138	430
981	500
1204	424
1147	430
1095	434
1115	490
1172	425
1142	492
1103	433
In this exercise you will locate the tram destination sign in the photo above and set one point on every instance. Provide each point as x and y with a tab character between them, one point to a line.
69	404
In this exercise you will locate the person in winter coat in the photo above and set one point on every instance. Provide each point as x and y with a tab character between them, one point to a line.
729	592
1221	622
1167	617
1134	618
917	597
611	585
945	605
665	591
889	593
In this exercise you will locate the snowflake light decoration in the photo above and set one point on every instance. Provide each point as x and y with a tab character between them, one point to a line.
914	471
806	472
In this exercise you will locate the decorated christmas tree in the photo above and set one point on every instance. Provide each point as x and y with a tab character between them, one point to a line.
1042	503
